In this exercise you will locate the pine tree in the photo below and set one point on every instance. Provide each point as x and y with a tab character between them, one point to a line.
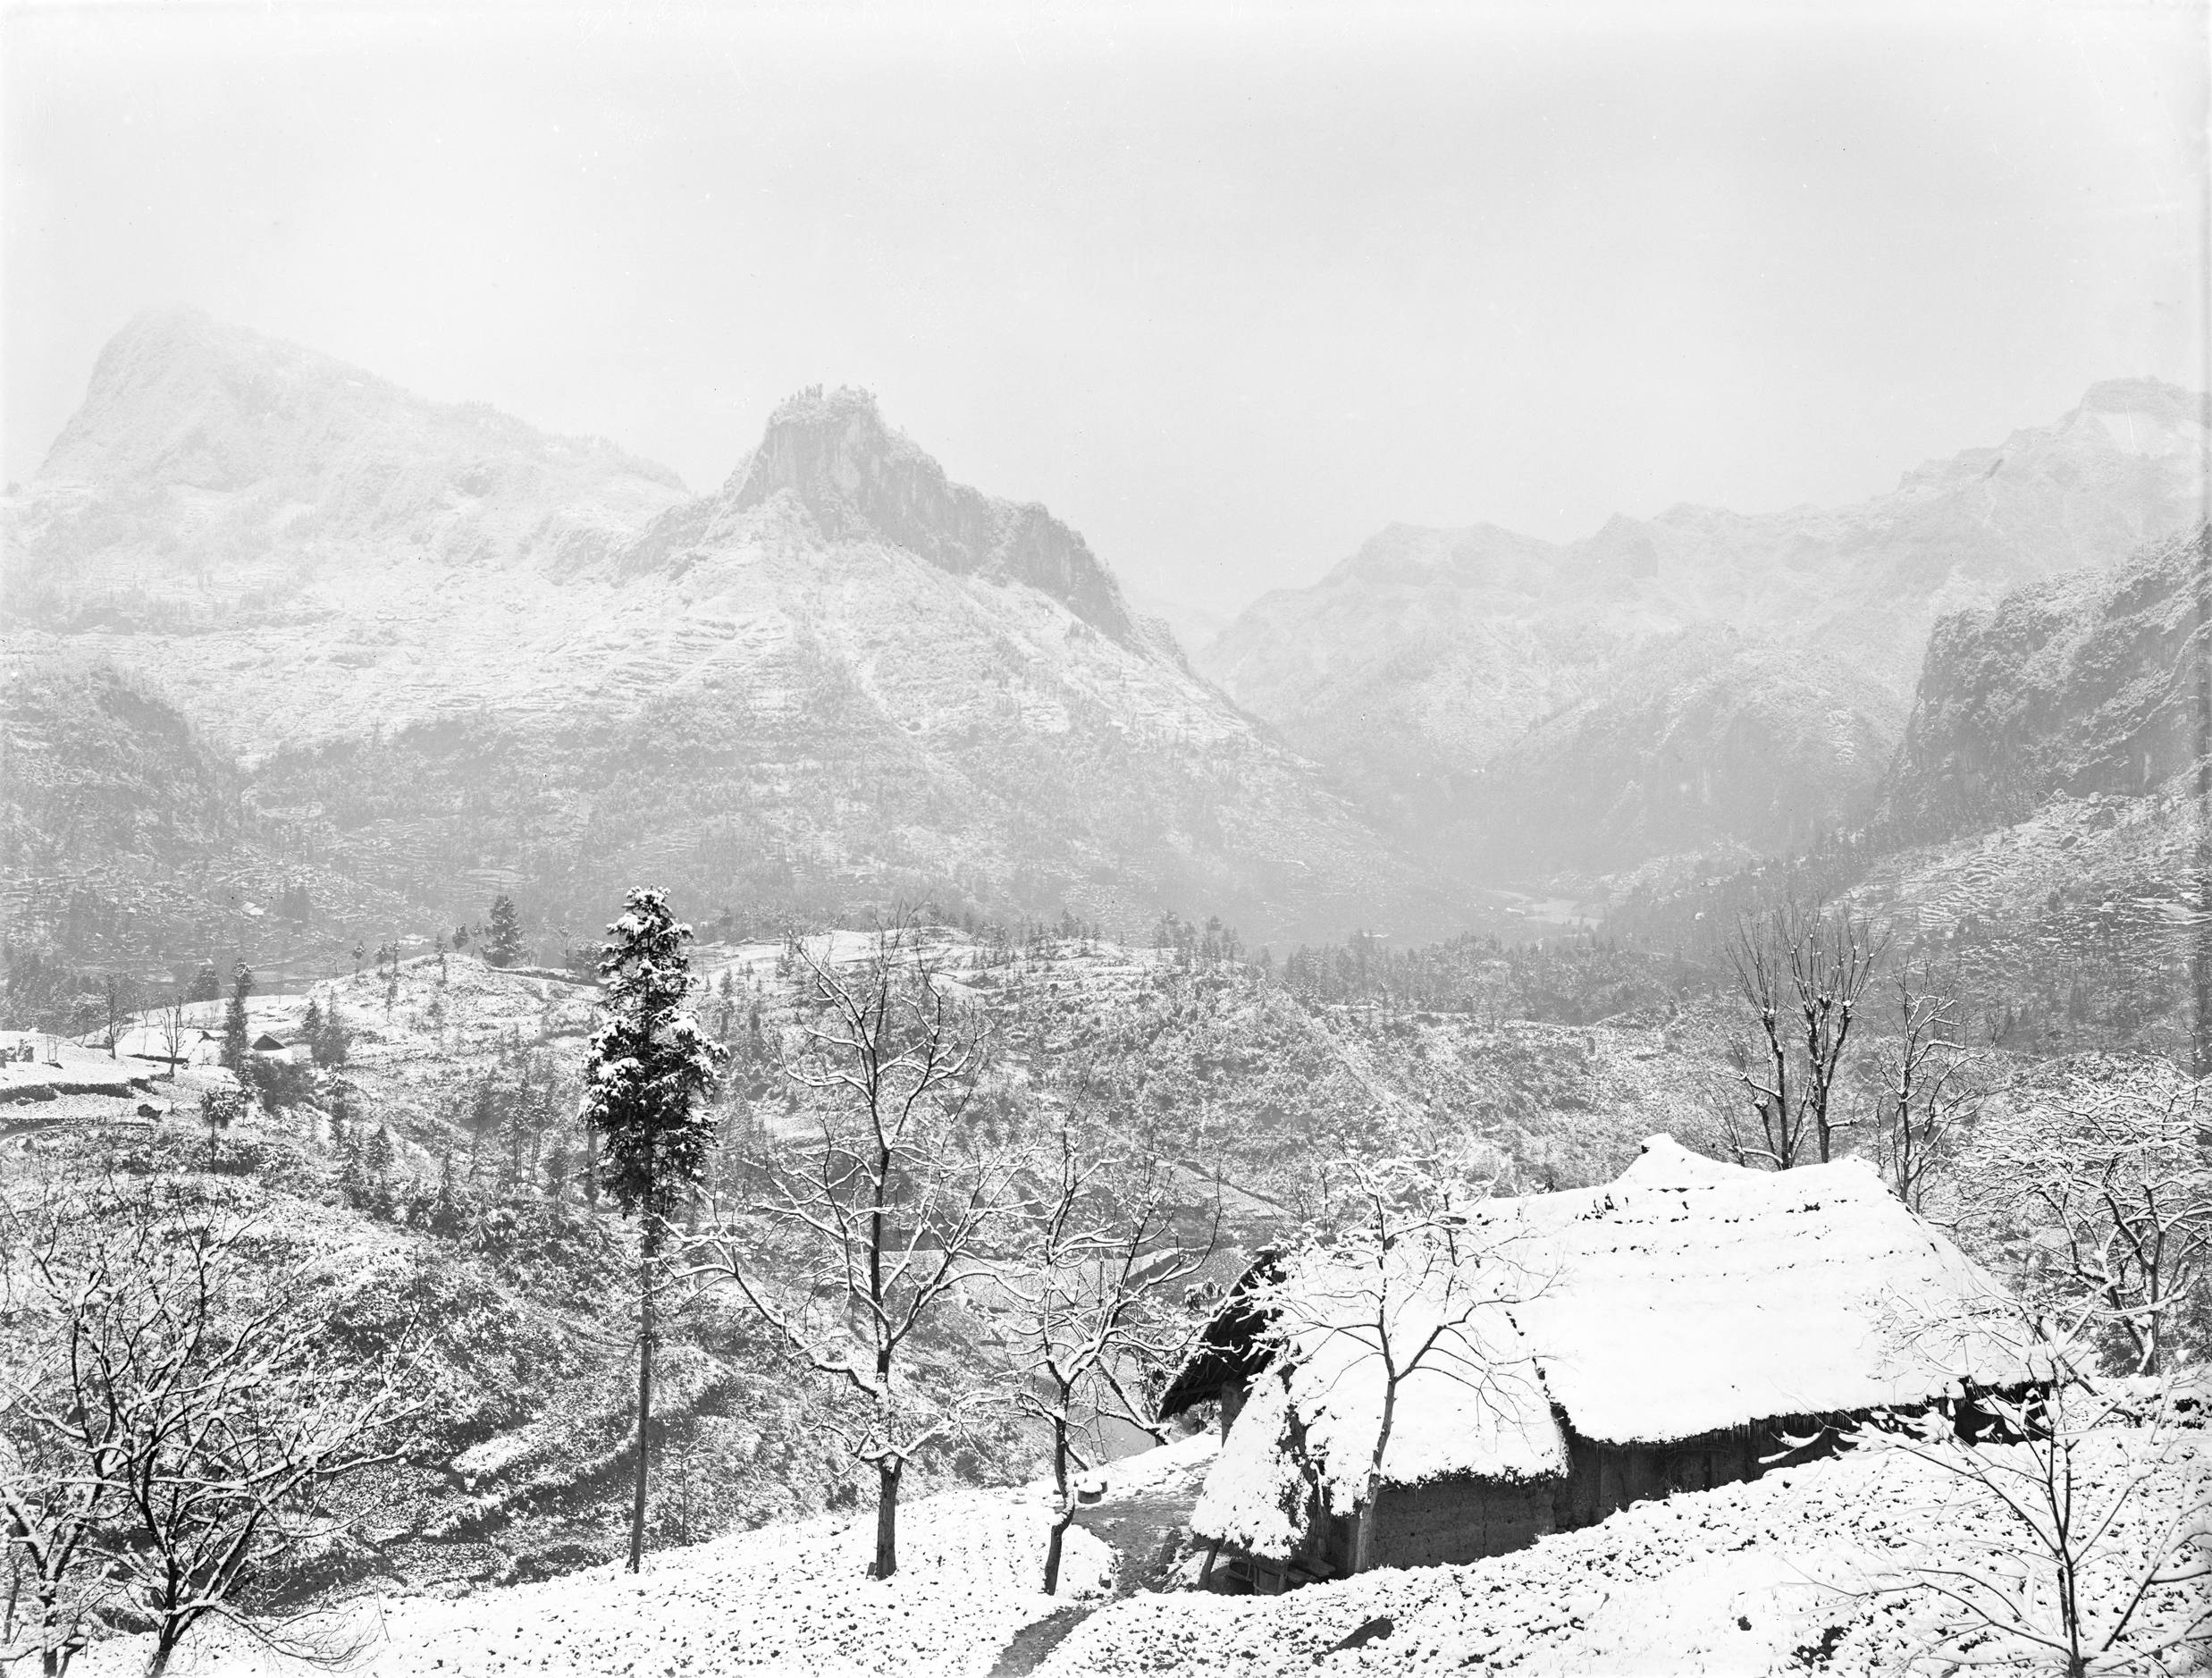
481	1121
502	941
206	984
234	1037
311	1028
646	1080
329	1042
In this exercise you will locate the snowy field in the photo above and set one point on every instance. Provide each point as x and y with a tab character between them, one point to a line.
1771	1577
789	1599
1768	1578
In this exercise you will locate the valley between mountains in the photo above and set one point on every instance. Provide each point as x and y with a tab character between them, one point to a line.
369	709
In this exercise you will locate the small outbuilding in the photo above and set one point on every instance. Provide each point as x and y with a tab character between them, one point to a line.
1688	1325
269	1046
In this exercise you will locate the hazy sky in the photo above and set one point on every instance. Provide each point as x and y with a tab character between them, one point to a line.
1226	289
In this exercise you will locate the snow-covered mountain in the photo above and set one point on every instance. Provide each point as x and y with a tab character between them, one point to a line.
1700	680
451	651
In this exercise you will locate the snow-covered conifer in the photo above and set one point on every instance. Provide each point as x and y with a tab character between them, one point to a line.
644	1083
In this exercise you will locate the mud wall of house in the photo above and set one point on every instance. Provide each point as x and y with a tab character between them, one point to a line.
1602	1477
1458	1521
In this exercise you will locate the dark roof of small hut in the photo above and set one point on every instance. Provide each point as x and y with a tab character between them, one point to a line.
1230	1351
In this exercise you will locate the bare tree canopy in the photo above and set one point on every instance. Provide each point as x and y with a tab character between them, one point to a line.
2097	1185
173	1434
1100	1266
877	1224
1800	969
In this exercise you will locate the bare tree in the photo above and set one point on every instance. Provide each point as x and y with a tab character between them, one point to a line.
1409	1283
1099	1267
174	1033
1931	1084
197	1394
56	1496
1801	971
2101	1187
876	1226
115	994
2076	1530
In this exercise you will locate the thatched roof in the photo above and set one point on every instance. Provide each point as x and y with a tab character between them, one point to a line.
1229	1354
1474	1403
1684	1298
1688	1296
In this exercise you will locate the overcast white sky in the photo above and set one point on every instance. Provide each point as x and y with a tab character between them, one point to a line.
1226	289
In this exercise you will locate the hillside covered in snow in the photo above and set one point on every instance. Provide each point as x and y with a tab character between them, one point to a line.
1698	681
436	650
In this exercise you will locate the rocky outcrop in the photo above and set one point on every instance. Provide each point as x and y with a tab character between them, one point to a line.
859	480
2090	684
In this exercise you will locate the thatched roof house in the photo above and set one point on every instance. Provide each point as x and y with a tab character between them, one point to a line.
1671	1330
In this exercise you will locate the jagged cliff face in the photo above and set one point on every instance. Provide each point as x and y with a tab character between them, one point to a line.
859	480
2085	686
458	655
1483	691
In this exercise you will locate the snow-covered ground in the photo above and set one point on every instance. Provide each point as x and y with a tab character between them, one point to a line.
1777	1576
1769	1578
791	1598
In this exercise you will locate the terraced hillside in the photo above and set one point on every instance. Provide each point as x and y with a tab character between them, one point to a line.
448	654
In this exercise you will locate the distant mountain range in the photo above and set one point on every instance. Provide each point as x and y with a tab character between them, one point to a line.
273	622
1701	682
450	655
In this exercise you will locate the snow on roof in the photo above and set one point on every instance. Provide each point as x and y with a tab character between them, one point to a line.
1686	1297
1472	1404
1678	1306
1469	1399
1255	1497
1666	1163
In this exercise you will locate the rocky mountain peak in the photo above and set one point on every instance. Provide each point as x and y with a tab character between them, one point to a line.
860	479
180	399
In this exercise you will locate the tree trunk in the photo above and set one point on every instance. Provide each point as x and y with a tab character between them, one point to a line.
645	1392
1363	1523
1064	1509
886	1520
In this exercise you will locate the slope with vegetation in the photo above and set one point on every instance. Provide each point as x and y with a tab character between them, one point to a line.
447	653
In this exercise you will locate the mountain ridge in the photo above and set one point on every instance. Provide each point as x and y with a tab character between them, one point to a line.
1431	660
838	680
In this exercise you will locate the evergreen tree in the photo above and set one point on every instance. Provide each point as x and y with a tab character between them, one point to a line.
557	1172
206	984
311	1027
646	1080
378	1156
483	1118
329	1042
502	939
219	1109
234	1034
351	1183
